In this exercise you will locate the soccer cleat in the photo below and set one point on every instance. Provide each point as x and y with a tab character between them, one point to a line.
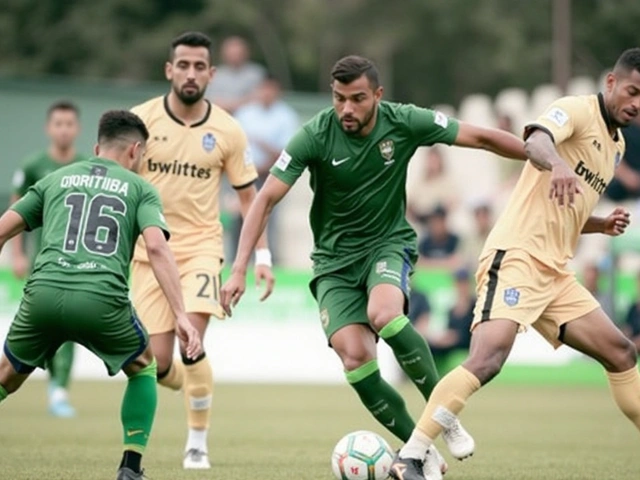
59	405
434	466
196	460
439	459
127	474
407	469
461	445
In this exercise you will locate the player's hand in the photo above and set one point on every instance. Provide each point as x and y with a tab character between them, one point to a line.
263	272
232	291
189	337
564	183
617	222
20	266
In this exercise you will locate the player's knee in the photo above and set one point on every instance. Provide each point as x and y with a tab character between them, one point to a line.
354	358
163	359
623	356
380	317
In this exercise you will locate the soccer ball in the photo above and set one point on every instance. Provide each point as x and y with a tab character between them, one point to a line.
361	455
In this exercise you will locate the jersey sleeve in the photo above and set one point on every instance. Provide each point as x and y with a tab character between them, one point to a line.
430	126
31	206
295	157
563	119
149	213
23	179
238	165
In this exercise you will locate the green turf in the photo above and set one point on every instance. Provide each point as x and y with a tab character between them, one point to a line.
287	432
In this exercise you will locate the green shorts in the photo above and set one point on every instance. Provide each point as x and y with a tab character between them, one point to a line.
49	316
343	295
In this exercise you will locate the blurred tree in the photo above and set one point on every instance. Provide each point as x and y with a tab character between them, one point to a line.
428	52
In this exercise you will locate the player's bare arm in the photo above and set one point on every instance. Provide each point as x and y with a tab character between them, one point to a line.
542	153
166	272
253	227
263	255
493	140
20	262
613	225
11	224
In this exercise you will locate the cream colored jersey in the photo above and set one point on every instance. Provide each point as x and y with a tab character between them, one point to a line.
185	164
532	221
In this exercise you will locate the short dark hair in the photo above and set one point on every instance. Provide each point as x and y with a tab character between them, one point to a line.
121	125
352	67
629	61
63	105
190	39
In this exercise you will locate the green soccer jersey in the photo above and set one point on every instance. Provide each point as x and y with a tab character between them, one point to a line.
33	170
91	214
359	200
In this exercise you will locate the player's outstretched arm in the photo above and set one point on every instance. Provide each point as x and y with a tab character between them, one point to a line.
613	225
253	226
11	224
543	154
493	140
166	272
263	262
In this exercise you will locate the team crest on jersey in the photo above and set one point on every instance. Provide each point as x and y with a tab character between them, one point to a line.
324	318
511	297
618	158
381	267
208	142
387	149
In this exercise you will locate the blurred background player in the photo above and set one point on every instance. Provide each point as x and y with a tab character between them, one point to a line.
62	127
237	78
192	143
67	300
358	153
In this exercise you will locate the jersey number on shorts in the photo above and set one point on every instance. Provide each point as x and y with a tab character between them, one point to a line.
204	290
93	222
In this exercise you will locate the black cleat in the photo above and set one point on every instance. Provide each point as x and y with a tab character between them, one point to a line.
407	469
127	474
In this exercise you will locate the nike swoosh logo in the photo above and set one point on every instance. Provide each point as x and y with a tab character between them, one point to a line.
420	381
335	162
131	433
391	423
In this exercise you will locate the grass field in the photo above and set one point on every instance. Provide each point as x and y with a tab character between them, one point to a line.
288	432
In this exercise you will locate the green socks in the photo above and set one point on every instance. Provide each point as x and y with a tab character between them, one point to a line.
60	365
3	393
412	353
380	398
139	408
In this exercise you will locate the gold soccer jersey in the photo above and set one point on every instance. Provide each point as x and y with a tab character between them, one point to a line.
532	221
185	163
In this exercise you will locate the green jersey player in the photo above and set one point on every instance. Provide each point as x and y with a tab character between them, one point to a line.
357	154
91	214
62	127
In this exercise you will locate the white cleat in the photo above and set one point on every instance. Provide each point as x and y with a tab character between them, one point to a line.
196	460
461	445
434	465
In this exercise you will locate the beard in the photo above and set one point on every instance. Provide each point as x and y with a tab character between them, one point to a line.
358	125
189	98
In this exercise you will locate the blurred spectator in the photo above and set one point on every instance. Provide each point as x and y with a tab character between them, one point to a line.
434	187
457	335
626	182
439	247
237	78
631	326
474	243
590	280
419	310
269	123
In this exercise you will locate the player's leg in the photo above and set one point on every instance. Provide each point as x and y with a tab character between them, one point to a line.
343	314
10	378
154	311
59	375
388	286
201	288
198	395
498	315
